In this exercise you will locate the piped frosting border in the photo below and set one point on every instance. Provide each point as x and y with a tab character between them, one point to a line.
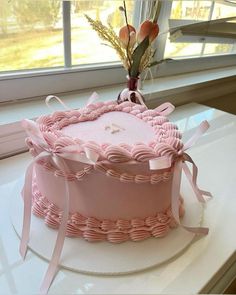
94	230
167	141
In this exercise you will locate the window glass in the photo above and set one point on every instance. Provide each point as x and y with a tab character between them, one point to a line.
30	34
202	11
182	49
192	10
217	48
224	10
87	47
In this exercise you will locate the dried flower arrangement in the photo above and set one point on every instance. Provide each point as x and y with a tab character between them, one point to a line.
134	48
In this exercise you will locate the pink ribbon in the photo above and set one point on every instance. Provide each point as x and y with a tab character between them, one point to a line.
126	94
91	99
165	162
50	97
27	197
53	265
165	109
179	166
202	128
58	158
176	182
72	152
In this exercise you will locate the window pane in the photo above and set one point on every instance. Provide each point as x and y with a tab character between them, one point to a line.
192	10
30	34
182	49
218	49
221	11
213	38
187	10
87	47
224	10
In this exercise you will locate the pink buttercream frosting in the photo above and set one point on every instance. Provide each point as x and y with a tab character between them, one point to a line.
158	138
119	185
115	231
107	172
122	176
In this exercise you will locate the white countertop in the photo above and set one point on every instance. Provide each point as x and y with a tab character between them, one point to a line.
208	265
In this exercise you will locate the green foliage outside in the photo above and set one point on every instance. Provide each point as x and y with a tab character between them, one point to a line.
5	12
87	5
27	31
31	35
17	54
28	14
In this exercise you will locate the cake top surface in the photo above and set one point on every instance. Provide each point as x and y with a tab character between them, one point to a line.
112	128
117	132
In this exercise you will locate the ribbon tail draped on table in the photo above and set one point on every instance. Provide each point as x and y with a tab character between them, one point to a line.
89	157
27	197
179	166
53	265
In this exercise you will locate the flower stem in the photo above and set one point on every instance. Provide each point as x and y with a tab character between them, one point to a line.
127	48
157	9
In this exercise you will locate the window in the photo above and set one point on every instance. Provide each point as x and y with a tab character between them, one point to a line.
197	35
210	38
47	46
32	33
86	45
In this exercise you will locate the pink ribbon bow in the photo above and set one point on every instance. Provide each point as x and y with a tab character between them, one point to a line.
27	196
58	158
179	166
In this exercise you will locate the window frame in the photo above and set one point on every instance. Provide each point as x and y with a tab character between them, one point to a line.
25	84
182	65
39	83
35	84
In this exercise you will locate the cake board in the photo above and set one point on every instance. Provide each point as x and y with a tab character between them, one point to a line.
105	258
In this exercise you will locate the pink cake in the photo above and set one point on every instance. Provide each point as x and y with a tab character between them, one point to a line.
107	149
107	172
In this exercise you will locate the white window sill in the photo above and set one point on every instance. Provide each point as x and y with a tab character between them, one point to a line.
178	89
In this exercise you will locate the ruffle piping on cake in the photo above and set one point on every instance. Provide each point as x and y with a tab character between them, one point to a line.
116	174
167	141
114	231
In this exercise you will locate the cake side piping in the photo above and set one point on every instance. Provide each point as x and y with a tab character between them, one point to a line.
92	229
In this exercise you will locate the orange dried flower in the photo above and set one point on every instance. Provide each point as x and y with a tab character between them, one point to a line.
124	34
148	28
